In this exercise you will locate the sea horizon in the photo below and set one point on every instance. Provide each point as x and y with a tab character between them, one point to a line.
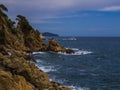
93	66
60	45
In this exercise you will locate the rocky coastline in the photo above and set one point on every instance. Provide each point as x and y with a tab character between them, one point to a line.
16	44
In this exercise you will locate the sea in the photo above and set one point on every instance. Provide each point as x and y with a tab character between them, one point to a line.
95	65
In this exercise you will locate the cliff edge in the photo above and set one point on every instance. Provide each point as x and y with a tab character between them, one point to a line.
16	70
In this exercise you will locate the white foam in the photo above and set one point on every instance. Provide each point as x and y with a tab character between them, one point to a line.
46	68
61	81
38	53
39	61
79	88
77	52
75	49
81	52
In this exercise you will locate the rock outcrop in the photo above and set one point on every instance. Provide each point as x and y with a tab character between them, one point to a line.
32	38
54	46
13	82
16	70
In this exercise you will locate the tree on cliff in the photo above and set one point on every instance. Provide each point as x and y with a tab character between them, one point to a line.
8	32
2	22
23	24
2	14
32	37
3	8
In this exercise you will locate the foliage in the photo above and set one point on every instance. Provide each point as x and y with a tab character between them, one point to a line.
3	7
23	23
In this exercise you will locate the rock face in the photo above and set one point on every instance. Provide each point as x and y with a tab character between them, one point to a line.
54	46
31	38
13	82
16	70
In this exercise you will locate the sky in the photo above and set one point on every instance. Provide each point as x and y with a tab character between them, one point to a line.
69	17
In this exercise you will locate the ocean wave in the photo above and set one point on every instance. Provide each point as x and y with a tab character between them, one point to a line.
75	49
46	68
38	52
77	52
39	61
55	79
62	81
79	88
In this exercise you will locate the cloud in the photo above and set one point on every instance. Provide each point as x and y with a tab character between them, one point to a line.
52	19
112	8
71	16
52	5
62	16
40	9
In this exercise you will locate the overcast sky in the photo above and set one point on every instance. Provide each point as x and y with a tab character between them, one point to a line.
70	17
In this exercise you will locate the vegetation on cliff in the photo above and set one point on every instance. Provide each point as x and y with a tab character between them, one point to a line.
16	70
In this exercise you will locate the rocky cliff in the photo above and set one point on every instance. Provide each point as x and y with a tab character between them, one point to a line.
16	70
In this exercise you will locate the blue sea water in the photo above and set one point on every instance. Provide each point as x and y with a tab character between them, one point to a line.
94	66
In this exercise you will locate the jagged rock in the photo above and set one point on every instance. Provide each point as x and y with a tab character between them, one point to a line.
69	51
32	38
13	82
16	70
54	46
18	66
